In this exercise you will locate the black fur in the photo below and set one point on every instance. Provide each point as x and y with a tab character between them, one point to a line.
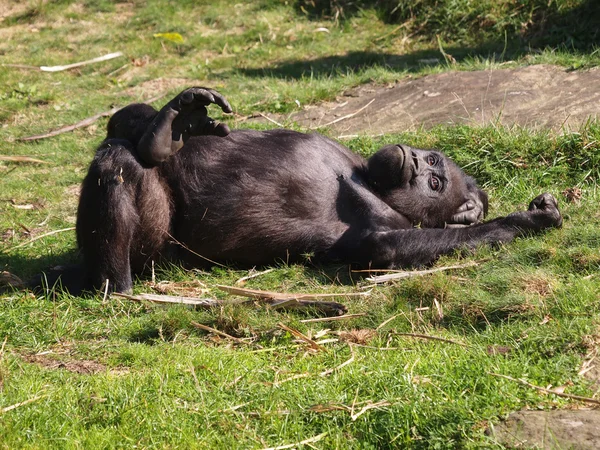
175	185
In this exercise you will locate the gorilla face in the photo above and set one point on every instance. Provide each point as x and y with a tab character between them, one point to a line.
423	185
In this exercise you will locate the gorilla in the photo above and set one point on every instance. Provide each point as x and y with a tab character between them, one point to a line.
175	185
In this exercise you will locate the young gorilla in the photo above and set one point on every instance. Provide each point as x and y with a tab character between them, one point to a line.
176	185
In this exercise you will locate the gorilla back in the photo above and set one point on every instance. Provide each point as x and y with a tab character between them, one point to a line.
175	185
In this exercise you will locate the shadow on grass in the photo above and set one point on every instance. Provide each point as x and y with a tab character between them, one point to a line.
542	26
533	23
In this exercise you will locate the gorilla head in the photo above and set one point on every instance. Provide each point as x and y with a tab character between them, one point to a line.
425	186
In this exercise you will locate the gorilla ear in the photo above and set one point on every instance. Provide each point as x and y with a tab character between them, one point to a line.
385	167
484	200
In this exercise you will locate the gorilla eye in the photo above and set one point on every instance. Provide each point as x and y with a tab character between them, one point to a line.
434	183
430	160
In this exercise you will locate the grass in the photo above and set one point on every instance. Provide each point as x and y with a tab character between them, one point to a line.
121	374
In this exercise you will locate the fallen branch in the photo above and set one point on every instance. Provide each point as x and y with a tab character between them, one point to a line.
172	299
302	337
431	338
298	444
547	391
400	274
339	119
25	159
38	237
84	123
220	333
17	405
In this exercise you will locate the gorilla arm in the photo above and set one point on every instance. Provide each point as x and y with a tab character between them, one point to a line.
414	247
158	135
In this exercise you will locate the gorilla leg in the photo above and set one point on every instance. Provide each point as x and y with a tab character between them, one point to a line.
123	218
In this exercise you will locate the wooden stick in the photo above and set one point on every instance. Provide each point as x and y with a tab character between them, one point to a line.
333	319
83	123
339	119
547	391
432	338
302	337
220	333
416	273
298	444
82	63
17	405
39	237
22	159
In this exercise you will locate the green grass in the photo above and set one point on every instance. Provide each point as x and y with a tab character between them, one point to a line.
157	381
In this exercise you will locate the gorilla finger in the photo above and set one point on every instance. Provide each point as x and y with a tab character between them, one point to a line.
203	96
215	128
465	206
221	101
186	97
467	218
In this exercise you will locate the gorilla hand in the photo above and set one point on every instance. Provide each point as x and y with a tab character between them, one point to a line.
544	210
469	213
192	118
182	117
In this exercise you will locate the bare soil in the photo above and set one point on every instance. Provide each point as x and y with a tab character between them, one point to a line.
560	429
81	366
536	97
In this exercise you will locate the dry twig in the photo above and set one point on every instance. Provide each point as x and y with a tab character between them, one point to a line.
281	300
25	159
67	66
82	63
50	233
339	119
171	299
400	274
253	275
547	391
333	319
83	123
17	405
302	337
385	322
270	120
431	338
220	333
298	444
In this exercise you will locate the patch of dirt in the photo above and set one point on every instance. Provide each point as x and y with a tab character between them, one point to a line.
81	366
151	88
559	429
541	96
